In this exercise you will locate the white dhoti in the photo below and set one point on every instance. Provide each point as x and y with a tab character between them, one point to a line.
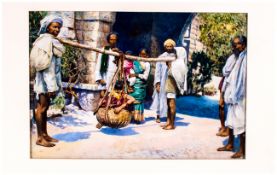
236	117
234	88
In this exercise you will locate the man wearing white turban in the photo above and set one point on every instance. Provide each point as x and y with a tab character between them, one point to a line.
170	80
45	59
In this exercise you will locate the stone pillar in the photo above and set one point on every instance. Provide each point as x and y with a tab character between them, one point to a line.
92	29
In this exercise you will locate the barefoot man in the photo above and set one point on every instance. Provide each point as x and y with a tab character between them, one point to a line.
234	89
45	58
170	80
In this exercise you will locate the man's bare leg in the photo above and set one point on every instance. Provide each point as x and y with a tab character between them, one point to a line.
45	134
221	118
241	152
223	131
44	126
40	119
167	118
230	144
172	112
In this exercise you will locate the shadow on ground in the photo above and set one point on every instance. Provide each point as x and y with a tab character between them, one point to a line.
181	124
196	106
66	121
236	143
119	132
72	136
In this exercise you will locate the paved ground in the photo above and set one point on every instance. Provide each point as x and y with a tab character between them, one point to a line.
193	138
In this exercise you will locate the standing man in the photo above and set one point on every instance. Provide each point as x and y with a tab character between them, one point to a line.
175	80
234	89
45	58
106	66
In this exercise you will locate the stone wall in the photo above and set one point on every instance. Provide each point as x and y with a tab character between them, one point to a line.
194	36
92	29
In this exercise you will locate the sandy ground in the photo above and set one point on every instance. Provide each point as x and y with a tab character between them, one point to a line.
193	138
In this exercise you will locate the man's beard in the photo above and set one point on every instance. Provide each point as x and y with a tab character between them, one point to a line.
170	51
236	52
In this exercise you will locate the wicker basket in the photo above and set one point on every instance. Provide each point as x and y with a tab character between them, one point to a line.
113	120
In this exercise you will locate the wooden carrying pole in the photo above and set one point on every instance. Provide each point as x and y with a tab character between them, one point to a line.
129	57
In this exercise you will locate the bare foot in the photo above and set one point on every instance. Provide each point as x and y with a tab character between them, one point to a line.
220	129
226	148
237	155
99	126
169	127
43	142
158	120
224	132
164	125
50	139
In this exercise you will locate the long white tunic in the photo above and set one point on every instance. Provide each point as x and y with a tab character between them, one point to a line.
49	78
235	93
159	99
107	76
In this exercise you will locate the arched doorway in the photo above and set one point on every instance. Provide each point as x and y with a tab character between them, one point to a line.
148	29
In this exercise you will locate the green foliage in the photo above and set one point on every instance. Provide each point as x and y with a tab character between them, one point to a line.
205	62
217	30
59	101
200	71
69	62
34	24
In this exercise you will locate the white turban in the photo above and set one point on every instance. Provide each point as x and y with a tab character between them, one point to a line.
44	23
169	42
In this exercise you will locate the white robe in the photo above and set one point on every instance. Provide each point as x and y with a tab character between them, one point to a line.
179	68
159	99
179	72
107	76
235	94
48	77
